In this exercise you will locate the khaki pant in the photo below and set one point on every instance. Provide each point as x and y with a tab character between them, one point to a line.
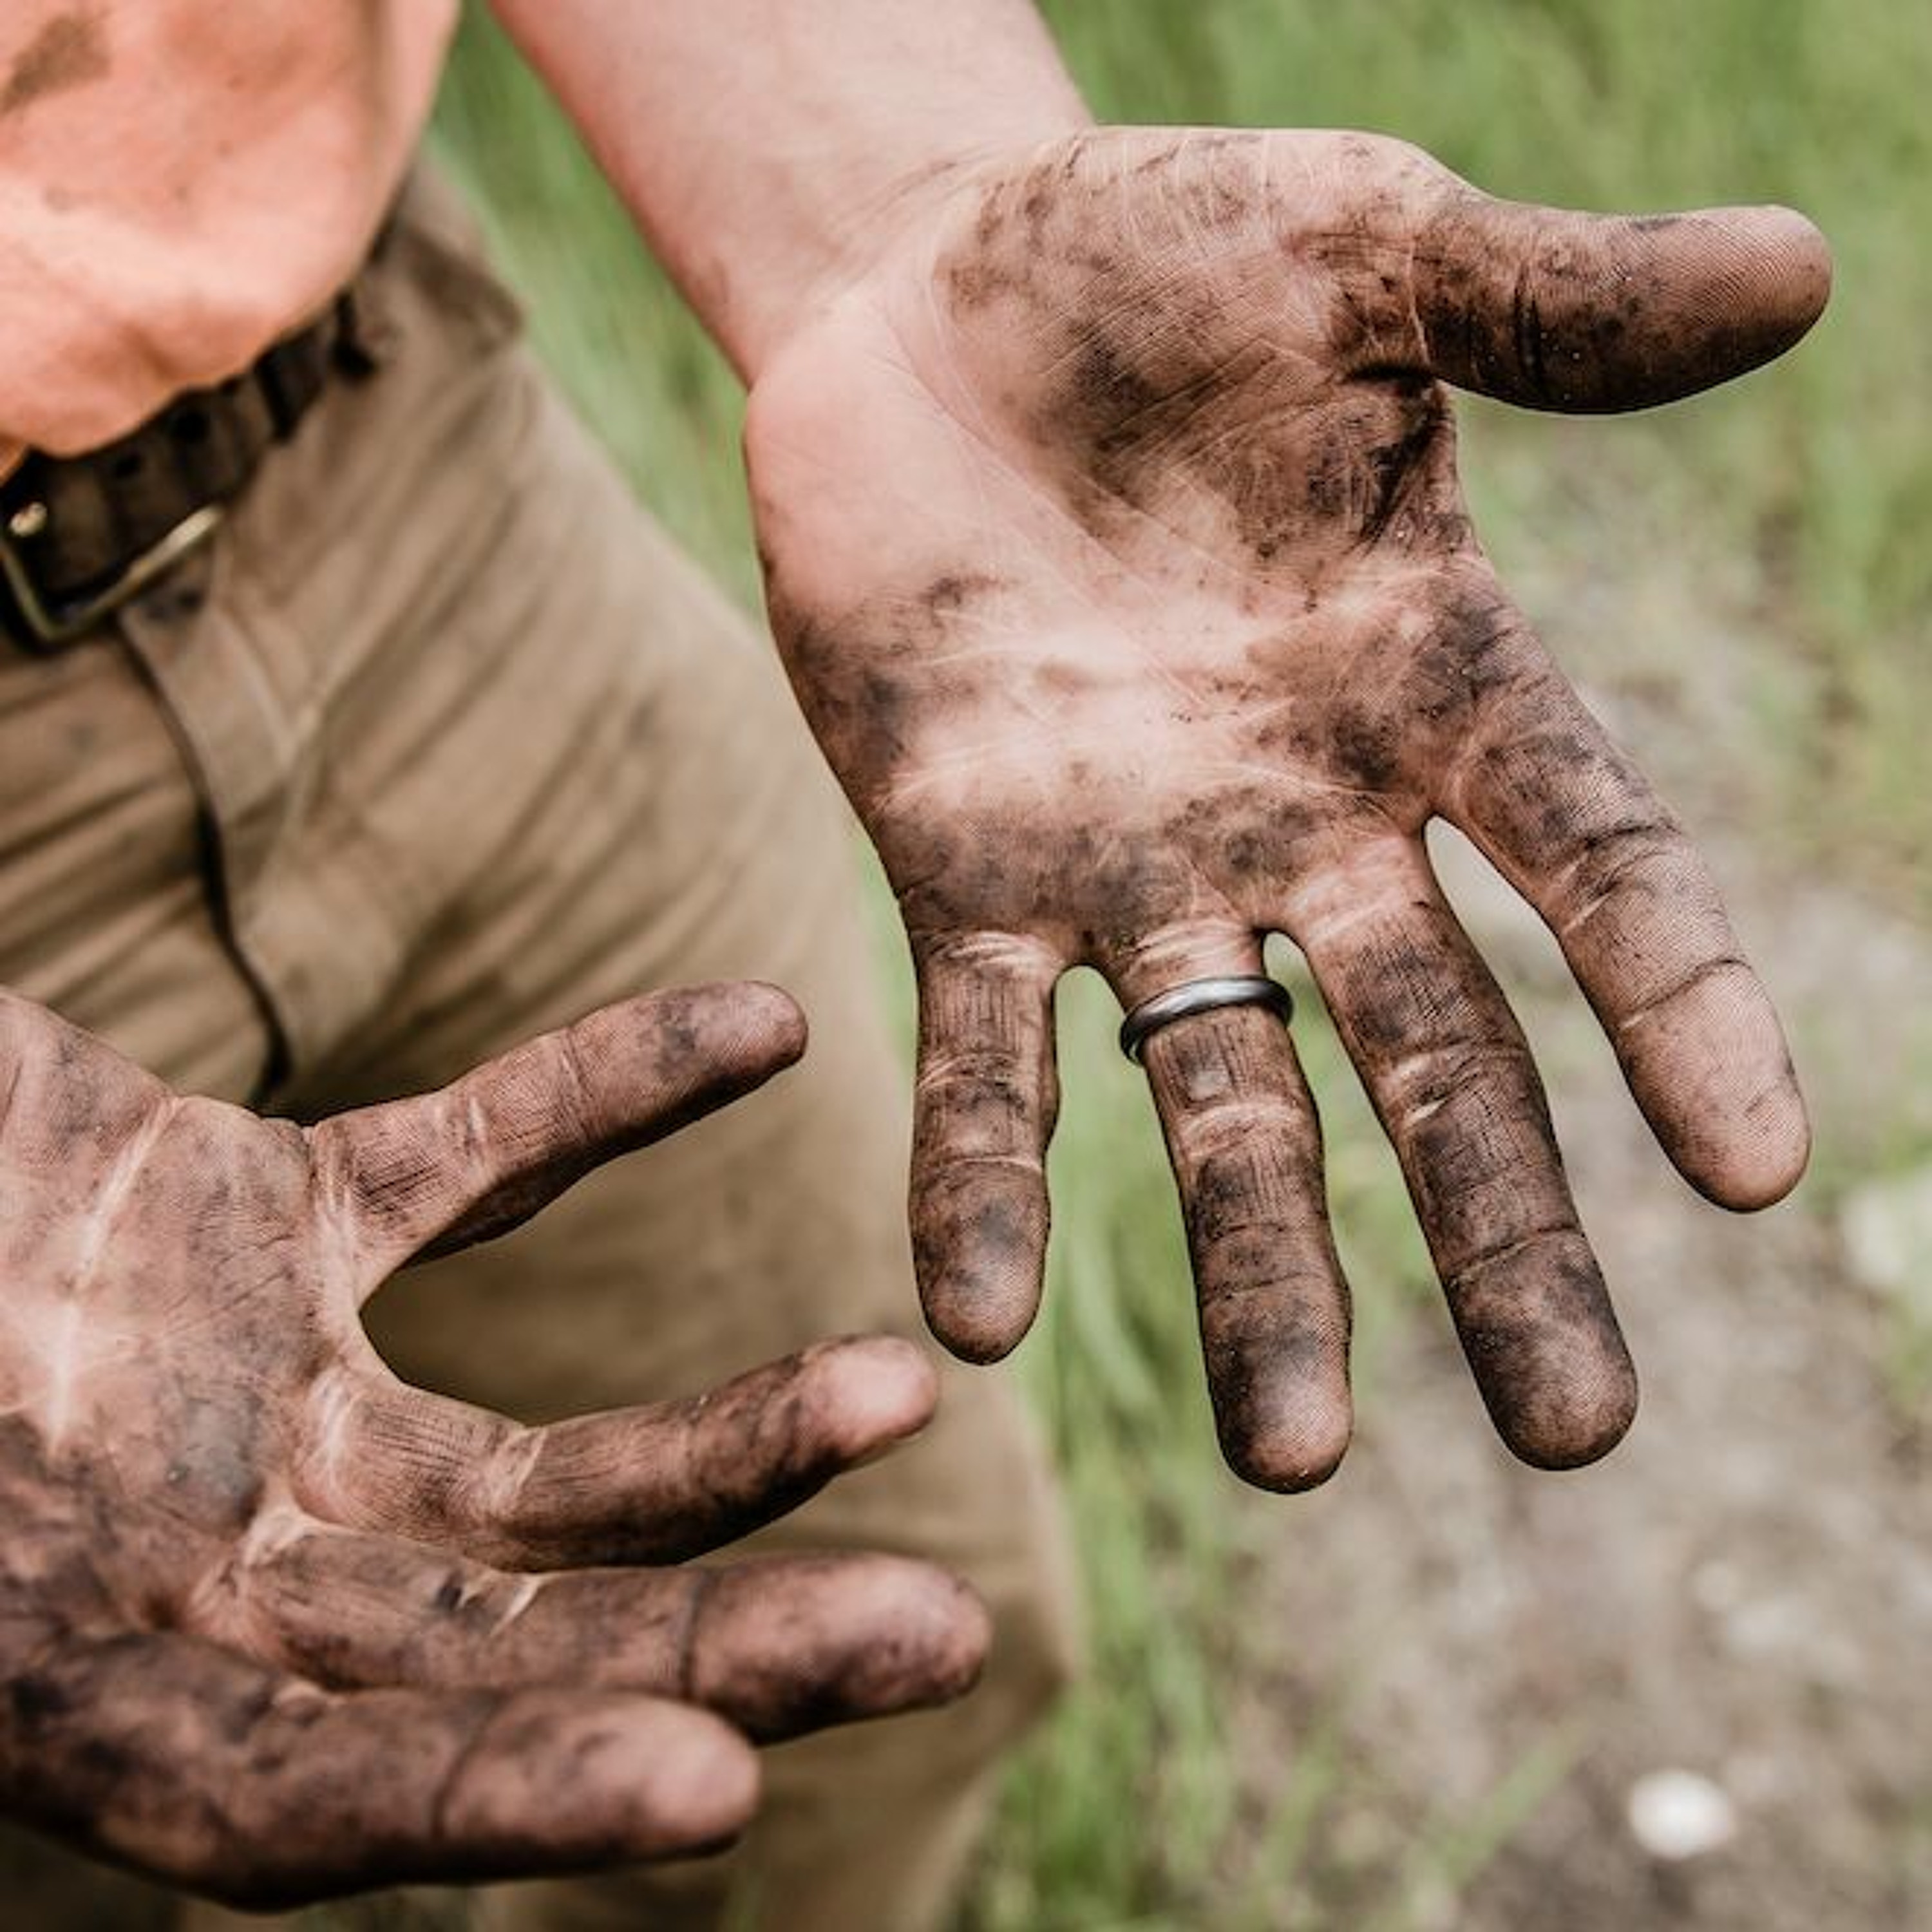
444	744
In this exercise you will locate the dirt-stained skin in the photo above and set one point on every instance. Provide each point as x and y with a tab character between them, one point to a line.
274	1624
1114	543
67	51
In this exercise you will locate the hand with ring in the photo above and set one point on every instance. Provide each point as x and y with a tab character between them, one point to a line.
1114	544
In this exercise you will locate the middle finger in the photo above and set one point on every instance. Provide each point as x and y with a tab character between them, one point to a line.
779	1646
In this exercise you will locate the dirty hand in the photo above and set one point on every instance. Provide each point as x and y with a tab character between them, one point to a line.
1113	541
274	1624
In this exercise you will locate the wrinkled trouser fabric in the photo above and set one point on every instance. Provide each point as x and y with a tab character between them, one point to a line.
442	744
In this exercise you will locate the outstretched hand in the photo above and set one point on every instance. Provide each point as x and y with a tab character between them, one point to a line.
274	1624
1114	543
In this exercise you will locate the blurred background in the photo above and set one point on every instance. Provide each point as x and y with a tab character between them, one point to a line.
1692	1686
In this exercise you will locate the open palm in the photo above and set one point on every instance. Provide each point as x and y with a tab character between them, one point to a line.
1114	544
274	1625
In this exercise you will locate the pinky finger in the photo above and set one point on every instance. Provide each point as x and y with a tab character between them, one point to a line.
206	1769
986	1099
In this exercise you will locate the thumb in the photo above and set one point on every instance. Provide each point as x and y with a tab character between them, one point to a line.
1589	313
439	1171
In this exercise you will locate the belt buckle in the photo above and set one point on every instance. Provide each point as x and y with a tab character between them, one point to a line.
54	625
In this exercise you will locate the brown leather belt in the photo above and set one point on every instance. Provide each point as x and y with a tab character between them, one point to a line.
79	535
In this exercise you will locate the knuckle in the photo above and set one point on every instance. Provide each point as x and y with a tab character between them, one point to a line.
1433	1076
1237	1124
1249	1185
504	1484
980	1101
1648	856
1687	979
954	1069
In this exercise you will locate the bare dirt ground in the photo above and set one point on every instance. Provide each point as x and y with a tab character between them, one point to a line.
1743	1590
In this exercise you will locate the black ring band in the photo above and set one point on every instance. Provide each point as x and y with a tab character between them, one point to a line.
1201	996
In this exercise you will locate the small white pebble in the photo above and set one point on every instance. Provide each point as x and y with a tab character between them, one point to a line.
1680	1814
1887	1228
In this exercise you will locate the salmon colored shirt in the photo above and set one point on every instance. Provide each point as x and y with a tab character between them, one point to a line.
181	181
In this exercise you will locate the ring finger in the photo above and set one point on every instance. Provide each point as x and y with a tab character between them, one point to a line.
1246	1146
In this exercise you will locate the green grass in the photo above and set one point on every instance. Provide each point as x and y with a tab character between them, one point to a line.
1804	492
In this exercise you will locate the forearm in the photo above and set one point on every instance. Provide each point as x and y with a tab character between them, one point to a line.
760	144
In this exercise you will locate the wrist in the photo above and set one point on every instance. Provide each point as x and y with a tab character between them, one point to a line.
770	152
876	220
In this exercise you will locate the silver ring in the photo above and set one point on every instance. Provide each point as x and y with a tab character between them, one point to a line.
1201	996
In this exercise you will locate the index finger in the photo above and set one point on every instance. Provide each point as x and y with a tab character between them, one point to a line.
778	1646
1570	822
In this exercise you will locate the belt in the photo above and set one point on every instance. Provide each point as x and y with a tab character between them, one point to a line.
79	535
